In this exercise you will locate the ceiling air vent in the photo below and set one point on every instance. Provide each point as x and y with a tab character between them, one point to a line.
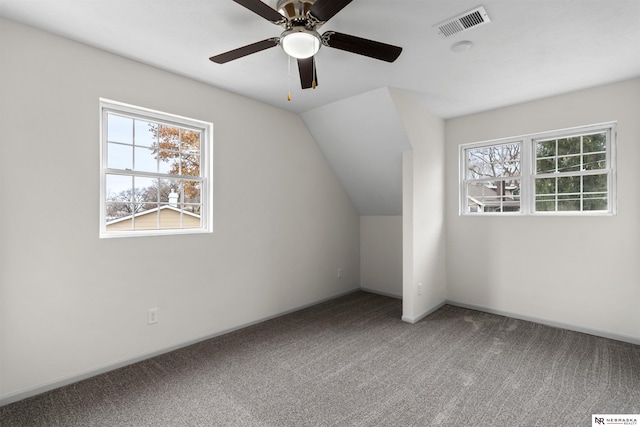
464	22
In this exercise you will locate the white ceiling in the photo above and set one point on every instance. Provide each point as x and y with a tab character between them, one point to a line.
531	49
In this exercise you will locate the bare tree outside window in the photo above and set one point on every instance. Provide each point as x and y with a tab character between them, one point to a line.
153	171
564	171
493	174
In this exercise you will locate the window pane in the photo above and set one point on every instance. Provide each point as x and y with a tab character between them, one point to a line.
568	202
169	162
191	221
145	160
118	188
147	219
594	143
119	156
546	203
546	194
116	211
171	192
145	194
191	164
170	218
169	138
495	161
595	161
190	153
569	146
157	190
595	183
191	191
546	148
546	165
190	141
475	197
595	202
193	208
569	184
119	129
546	186
118	198
493	196
569	164
145	133
476	160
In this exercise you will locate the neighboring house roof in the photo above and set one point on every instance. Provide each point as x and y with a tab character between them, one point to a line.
169	218
488	196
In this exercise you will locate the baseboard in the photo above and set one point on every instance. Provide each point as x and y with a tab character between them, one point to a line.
425	313
383	293
61	382
596	332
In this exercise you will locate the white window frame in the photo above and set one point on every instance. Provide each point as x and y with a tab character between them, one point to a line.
528	170
206	165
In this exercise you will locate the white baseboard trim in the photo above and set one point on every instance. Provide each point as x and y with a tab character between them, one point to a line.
596	332
383	293
425	313
42	388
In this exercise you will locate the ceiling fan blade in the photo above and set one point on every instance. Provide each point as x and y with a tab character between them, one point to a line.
260	8
245	50
308	75
323	10
370	48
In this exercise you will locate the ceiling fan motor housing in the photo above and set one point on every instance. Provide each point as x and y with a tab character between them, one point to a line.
296	11
300	38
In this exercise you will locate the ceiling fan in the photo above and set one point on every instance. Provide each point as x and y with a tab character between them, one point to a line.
300	39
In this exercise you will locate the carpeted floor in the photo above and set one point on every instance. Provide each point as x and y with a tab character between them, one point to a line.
353	362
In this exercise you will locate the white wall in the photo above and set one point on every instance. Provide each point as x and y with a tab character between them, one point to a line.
364	144
381	254
72	303
578	272
423	209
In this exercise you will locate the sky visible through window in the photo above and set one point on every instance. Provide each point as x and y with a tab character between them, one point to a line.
149	162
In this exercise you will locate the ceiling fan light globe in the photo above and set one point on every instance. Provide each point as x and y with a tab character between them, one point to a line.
300	44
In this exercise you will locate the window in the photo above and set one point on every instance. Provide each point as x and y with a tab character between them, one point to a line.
568	171
572	173
493	178
155	172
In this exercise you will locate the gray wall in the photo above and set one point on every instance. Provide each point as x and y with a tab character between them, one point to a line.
72	303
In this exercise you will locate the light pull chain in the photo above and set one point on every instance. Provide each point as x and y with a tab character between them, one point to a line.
313	82
289	79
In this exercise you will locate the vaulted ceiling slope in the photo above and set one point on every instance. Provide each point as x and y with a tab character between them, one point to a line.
364	146
530	49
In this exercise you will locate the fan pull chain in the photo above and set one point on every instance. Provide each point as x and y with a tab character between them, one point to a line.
289	80
313	82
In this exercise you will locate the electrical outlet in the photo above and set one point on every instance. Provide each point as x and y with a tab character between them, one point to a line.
419	288
339	273
152	316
